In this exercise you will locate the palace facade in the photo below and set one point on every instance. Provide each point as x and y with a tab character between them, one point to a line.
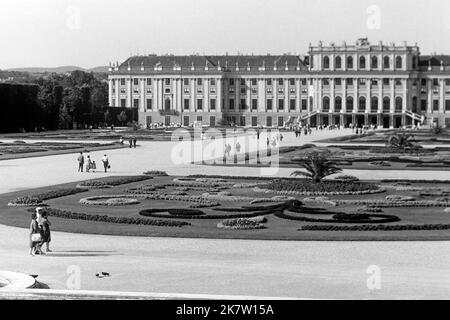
362	83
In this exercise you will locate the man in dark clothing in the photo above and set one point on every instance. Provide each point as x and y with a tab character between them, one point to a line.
131	142
80	162
134	141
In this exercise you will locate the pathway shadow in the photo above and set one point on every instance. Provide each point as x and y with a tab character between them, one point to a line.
80	254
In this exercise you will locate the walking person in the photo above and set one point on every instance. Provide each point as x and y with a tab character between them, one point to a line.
134	142
130	141
238	147
88	163
35	236
80	160
105	161
45	231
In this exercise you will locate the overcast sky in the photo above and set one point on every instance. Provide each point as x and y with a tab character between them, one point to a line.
90	33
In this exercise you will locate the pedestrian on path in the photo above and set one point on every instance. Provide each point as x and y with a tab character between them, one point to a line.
44	225
130	141
80	160
105	161
88	163
134	142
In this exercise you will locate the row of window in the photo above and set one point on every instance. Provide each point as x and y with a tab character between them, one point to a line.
363	64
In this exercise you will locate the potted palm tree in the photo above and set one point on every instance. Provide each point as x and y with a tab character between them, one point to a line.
401	141
317	167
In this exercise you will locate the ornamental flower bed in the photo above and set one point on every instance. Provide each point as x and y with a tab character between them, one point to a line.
344	218
156	173
112	181
198	201
38	199
310	193
243	223
325	186
64	214
112	200
381	227
394	198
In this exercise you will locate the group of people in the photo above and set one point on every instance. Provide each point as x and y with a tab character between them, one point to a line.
90	164
306	130
39	232
131	141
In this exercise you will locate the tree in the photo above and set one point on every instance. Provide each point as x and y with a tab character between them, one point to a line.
317	167
65	120
401	141
122	117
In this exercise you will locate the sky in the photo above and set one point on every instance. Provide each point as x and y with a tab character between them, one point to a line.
90	33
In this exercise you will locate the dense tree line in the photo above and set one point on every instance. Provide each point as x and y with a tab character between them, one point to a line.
58	101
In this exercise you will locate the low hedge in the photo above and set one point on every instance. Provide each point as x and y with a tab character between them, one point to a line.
344	218
156	173
65	214
113	181
325	186
397	227
414	181
156	213
243	223
38	199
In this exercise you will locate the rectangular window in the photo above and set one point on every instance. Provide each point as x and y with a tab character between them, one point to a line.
280	104
186	104
167	90
292	82
447	82
254	90
199	104
243	90
350	82
423	82
337	81
398	82
269	82
423	105
242	82
199	82
254	82
231	81
167	81
136	103
212	104
435	82
292	104
447	105
280	82
435	105
269	104
304	104
186	82
386	81
186	121
135	82
242	105
254	104
122	82
149	103
123	103
303	82
280	121
212	121
269	121
149	82
199	118
231	104
213	82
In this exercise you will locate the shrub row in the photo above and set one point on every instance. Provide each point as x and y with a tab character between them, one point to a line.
58	213
113	181
344	218
155	173
243	223
325	186
398	227
38	199
111	200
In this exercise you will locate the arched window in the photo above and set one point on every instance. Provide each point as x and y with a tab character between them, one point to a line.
374	62
326	104
362	62
350	63
338	62
374	104
326	62
349	104
398	104
386	104
398	62
337	104
362	104
386	62
414	104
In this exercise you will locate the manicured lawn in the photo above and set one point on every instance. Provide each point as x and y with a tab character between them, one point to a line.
231	198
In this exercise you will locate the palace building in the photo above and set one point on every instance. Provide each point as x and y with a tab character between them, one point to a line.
362	83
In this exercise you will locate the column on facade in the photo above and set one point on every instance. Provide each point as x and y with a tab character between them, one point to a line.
392	85
237	96
308	100
206	87
129	93
248	94
110	92
180	95
332	95
355	95
226	92
117	82
193	82
344	95
405	96
287	95
298	102
441	96
261	95
155	96
369	96
430	97
219	95
142	104
275	95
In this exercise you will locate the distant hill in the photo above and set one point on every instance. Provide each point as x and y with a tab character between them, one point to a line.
63	69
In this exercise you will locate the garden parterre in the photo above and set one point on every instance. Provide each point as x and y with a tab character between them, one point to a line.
220	206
